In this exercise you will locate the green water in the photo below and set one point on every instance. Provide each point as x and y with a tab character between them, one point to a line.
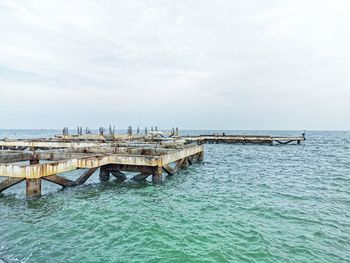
242	204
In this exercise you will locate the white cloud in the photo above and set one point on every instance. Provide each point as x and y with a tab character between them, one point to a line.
194	64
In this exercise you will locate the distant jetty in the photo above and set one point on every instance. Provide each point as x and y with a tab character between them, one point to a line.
245	139
147	154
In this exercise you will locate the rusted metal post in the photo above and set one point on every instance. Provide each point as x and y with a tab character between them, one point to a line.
104	174
65	131
130	131
111	130
157	174
80	130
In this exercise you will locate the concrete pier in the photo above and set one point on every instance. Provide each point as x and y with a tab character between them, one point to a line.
245	139
45	159
147	155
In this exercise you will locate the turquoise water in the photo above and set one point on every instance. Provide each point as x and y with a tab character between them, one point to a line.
242	204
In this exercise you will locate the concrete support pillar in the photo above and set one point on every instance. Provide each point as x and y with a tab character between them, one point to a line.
104	174
298	142
168	169
86	175
33	187
200	156
33	162
157	175
190	160
119	175
185	163
59	180
140	177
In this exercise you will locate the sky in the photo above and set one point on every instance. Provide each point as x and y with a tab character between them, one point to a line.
194	64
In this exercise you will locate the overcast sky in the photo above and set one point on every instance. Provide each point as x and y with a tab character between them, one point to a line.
223	64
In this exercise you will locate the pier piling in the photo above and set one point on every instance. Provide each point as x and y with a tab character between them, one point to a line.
118	174
33	187
104	174
157	174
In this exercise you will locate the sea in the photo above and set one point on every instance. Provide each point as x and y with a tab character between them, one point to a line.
243	203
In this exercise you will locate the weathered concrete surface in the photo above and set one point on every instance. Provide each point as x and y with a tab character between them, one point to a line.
180	154
46	144
46	169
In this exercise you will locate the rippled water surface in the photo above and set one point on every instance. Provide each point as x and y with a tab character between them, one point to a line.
242	204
